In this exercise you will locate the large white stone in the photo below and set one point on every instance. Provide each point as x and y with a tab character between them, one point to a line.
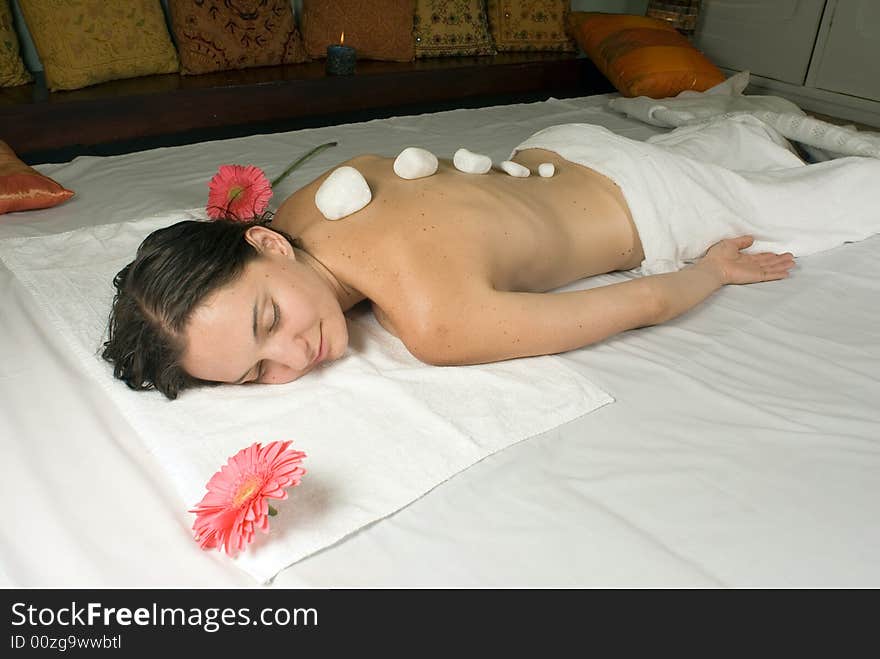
471	163
414	162
546	169
515	169
342	193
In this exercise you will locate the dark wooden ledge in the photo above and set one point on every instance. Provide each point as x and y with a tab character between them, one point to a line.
33	120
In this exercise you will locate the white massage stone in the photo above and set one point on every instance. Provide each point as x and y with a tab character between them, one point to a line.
342	193
414	162
546	169
471	163
515	169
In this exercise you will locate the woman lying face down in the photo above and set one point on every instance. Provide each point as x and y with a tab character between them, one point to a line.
275	322
222	302
458	266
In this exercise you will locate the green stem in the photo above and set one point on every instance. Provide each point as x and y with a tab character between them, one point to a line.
296	164
272	512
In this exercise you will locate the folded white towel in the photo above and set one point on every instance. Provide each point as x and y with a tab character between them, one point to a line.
379	427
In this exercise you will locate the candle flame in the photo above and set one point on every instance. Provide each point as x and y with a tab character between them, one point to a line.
342	39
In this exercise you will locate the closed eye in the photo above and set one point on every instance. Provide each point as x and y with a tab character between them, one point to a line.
262	365
277	315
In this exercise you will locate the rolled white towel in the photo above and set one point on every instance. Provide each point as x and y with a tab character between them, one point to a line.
515	169
471	163
414	162
342	193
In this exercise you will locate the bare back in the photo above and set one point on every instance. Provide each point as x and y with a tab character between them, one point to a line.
420	242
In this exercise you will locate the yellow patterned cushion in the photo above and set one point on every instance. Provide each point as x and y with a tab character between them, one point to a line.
12	71
84	42
530	25
451	27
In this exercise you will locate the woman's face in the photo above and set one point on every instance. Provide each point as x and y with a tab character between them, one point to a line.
275	323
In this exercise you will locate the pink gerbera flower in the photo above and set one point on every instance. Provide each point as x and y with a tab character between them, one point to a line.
236	501
238	192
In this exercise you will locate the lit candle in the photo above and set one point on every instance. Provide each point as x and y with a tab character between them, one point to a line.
340	58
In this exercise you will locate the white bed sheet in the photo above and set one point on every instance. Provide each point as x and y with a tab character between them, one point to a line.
743	449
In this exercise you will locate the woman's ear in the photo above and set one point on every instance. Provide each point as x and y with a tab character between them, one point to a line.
264	240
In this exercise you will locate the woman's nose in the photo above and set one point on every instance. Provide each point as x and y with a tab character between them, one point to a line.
287	361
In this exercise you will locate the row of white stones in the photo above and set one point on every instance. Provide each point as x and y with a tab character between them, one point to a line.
346	190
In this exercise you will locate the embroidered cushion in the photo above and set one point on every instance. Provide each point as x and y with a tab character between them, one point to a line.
12	71
376	29
451	27
530	25
84	42
216	36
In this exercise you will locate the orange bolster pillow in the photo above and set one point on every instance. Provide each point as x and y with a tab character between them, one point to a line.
642	56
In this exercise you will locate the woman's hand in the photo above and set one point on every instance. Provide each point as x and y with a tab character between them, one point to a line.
738	268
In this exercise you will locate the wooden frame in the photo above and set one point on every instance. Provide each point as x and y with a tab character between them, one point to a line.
35	120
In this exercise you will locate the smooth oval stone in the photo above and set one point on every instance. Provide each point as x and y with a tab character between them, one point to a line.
546	169
342	193
414	162
515	169
471	163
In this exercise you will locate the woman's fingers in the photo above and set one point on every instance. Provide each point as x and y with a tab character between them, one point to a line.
749	268
767	266
742	242
774	255
775	266
772	275
769	258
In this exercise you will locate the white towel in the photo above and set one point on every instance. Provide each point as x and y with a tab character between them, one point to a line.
696	185
379	427
820	139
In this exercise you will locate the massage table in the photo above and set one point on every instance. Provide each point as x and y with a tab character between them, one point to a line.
742	447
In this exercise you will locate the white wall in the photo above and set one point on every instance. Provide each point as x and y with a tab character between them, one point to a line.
32	62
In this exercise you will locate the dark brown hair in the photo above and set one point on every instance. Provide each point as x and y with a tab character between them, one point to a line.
175	269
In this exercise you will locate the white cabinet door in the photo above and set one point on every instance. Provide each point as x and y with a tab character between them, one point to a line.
770	38
850	60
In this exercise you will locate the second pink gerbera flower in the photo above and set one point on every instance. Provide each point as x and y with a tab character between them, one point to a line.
238	192
236	502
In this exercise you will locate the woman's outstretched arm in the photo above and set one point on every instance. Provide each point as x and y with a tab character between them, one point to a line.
490	326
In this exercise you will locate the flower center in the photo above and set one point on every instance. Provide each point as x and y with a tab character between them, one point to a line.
246	490
235	192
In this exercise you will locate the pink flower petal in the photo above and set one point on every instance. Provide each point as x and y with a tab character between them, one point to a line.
238	192
235	503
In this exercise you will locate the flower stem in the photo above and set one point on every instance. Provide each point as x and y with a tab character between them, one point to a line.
296	164
272	511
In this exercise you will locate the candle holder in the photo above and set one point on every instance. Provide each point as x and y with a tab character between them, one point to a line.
340	60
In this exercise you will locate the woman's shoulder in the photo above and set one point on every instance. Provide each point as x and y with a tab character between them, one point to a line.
366	157
298	211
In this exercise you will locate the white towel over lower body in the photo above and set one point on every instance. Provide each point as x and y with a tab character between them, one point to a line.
733	176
